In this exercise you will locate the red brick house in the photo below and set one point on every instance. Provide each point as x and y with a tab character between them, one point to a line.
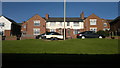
95	23
73	25
34	26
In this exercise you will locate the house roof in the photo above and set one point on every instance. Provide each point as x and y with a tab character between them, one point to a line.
19	23
61	19
11	20
115	20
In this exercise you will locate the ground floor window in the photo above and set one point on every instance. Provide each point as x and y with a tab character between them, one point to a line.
76	31
36	31
23	32
1	32
68	30
61	31
106	29
52	30
93	29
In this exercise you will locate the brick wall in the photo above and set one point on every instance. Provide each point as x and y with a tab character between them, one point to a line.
23	38
7	32
30	25
11	38
99	25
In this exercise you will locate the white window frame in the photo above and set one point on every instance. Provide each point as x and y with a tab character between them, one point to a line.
2	24
106	29
36	29
60	23
74	24
52	23
61	31
93	21
37	22
52	30
24	26
68	23
76	31
1	32
105	24
93	29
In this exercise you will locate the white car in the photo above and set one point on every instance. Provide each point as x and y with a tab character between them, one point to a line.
51	36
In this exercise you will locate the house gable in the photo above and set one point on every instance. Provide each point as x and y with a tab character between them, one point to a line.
99	23
7	23
93	16
30	26
35	17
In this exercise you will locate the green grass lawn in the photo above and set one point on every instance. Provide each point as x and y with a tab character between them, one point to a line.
73	46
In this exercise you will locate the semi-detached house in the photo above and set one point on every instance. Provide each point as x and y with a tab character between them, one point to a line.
8	27
38	25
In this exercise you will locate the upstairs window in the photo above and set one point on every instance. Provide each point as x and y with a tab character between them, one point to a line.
52	23
60	23
24	26
68	23
37	23
76	24
93	21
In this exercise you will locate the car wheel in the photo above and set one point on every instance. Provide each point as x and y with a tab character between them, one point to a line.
55	38
83	37
52	39
100	37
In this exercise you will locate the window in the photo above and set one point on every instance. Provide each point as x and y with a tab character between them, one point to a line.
52	24
68	23
68	30
24	26
76	31
1	24
76	24
37	23
61	31
105	24
1	32
93	21
93	29
52	30
106	29
60	23
36	31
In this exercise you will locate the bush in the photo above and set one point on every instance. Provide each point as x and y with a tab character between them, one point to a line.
105	33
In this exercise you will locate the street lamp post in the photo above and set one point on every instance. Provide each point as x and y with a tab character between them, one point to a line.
64	16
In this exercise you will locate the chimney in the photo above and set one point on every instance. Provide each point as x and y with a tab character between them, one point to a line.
46	16
82	15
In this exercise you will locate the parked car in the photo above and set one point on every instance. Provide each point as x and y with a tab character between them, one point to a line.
89	34
50	35
41	36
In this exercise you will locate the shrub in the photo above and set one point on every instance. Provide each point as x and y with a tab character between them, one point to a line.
105	33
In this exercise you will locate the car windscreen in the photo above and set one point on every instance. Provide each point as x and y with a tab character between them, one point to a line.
82	33
52	33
